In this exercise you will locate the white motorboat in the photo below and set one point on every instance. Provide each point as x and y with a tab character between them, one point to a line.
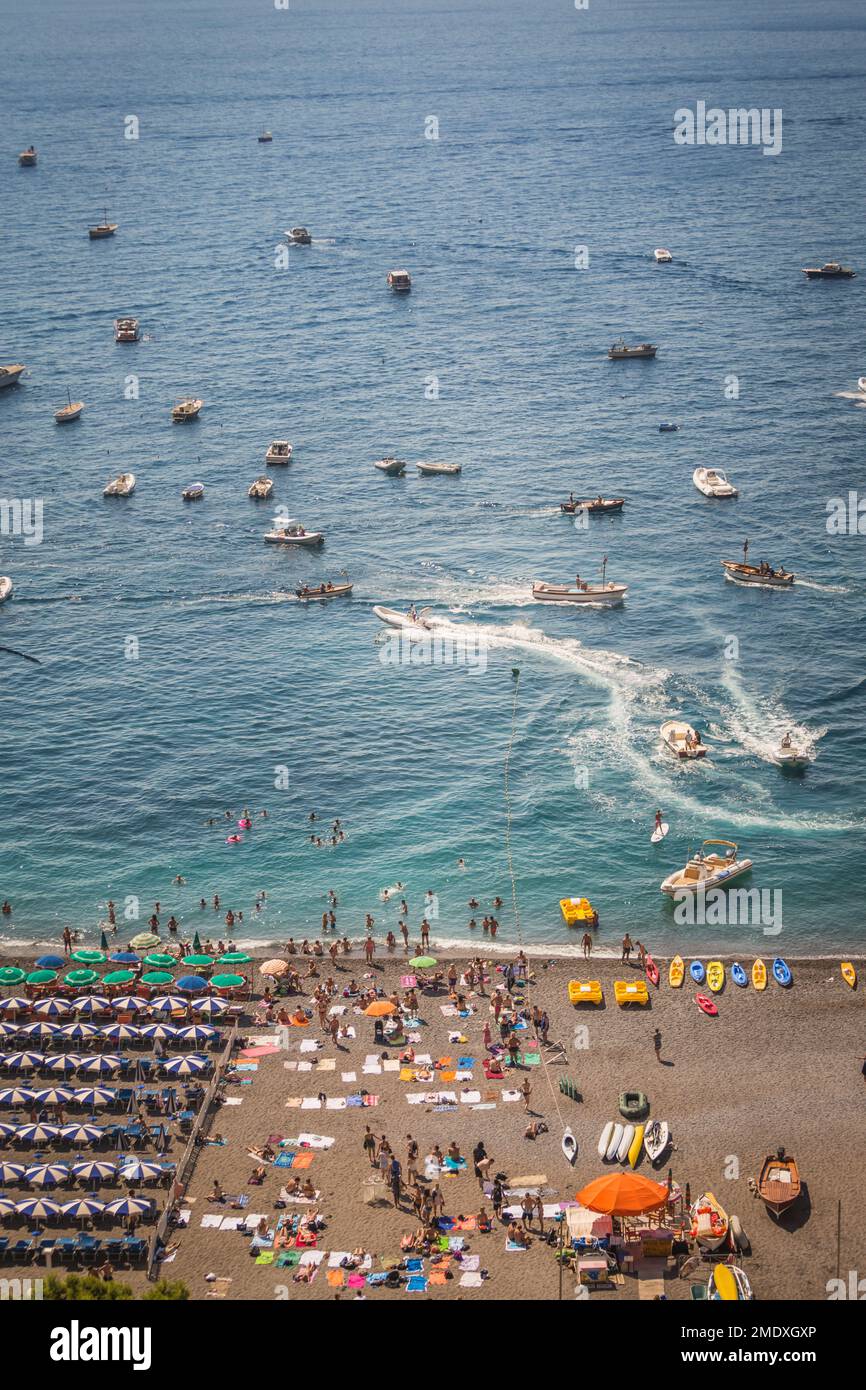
186	410
6	587
707	869
193	493
400	280
412	620
861	383
789	754
581	593
9	375
299	236
431	470
279	451
261	489
662	255
713	482
764	575
293	533
126	330
121	486
682	739
394	468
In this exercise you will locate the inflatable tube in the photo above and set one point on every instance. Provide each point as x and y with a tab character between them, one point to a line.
233	840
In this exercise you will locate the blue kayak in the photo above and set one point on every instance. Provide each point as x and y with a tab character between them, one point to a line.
697	972
738	974
781	973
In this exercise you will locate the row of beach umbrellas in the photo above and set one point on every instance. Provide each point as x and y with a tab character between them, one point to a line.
115	1032
78	1132
90	1170
93	1095
40	1208
191	984
97	1003
103	1064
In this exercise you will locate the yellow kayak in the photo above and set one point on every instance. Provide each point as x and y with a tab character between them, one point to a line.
636	1145
676	974
715	976
759	975
726	1284
849	974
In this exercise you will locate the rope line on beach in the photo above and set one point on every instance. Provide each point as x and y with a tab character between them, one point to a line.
510	862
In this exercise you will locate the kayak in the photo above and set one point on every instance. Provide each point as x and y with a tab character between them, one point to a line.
569	1145
704	1002
849	974
781	972
738	975
652	971
759	975
697	972
716	976
676	972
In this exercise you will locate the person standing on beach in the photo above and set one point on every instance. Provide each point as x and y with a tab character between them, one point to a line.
641	954
527	1093
425	934
404	932
539	1212
67	941
657	1044
586	943
369	948
370	1145
497	1197
482	1163
627	948
395	1174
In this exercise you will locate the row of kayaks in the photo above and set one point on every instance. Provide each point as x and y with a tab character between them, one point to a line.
623	1142
714	974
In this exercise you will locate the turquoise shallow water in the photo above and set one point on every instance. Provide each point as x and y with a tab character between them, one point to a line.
555	131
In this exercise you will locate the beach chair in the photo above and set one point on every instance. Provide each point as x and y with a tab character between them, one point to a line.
21	1250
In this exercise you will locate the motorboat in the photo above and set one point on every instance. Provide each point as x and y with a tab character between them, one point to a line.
764	574
593	504
831	270
265	138
9	375
682	739
620	350
861	383
103	228
299	236
293	533
6	587
121	486
713	482
279	451
668	427
193	493
70	411
261	489
779	1184
791	755
394	468
581	593
186	410
400	280
729	1283
707	869
412	620
662	255
709	1222
126	330
27	158
320	592
435	470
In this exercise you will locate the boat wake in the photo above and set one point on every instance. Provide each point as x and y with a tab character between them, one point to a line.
821	588
759	723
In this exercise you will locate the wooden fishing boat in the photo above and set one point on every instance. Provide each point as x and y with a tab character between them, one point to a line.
318	593
70	411
186	410
193	493
779	1183
709	1222
27	158
620	351
10	374
102	229
593	504
764	574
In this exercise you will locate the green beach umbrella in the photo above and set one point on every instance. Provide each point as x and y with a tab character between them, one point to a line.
423	962
89	957
119	977
11	975
157	977
159	958
80	977
196	942
198	960
144	941
234	958
227	981
42	977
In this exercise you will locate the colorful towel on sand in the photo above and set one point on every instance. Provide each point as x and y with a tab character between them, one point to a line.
417	1284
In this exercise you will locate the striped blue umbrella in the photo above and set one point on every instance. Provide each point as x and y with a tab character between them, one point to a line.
94	1168
38	1207
81	1133
140	1172
14	1005
129	1206
185	1066
91	1004
53	1095
47	1174
8	1030
25	1061
7	1129
128	1004
16	1095
94	1095
39	1030
7	1206
121	1032
63	1062
79	1030
211	1006
167	1003
197	1032
103	1065
38	1133
83	1206
12	1172
52	1008
160	1030
51	962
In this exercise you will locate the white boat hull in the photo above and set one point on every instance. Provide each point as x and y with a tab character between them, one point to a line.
6	587
123	486
392	468
430	470
593	595
391	617
280	538
10	376
674	885
712	484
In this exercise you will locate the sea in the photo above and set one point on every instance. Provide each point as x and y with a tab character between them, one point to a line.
519	158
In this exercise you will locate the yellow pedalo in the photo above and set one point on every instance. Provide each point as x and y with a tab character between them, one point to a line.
578	912
585	992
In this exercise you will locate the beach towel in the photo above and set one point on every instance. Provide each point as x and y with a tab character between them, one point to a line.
471	1280
312	1257
303	1160
470	1097
326	1064
470	1262
336	1103
284	1160
349	1076
336	1278
408	981
267	1257
376	1278
219	1288
454	1165
211	1220
357	1281
466	1063
311	1103
510	1245
370	1100
337	1256
448	1076
288	1259
417	1284
438	1276
294	1102
392	1064
266	1050
315	1141
310	1045
511	1095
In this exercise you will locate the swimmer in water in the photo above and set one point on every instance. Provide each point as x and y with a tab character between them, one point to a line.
461	863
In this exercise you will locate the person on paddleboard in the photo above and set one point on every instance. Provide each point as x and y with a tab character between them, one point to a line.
658	824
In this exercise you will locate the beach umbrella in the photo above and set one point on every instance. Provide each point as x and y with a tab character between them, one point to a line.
12	1172
78	978
157	977
103	942
102	1065
128	1003
7	1206
167	1003
234	958
191	984
14	1005
38	1207
89	957
159	1030
185	1066
196	942
623	1194
136	1171
91	1004
129	1206
119	977
159	958
424	962
11	975
196	1032
83	1207
25	1061
124	957
274	967
47	1174
210	1006
38	1134
63	1062
7	1129
94	1095
228	981
8	1030
42	977
16	1095
51	962
52	1008
53	1095
39	1030
81	1134
198	961
379	1008
79	1030
94	1169
145	940
121	1032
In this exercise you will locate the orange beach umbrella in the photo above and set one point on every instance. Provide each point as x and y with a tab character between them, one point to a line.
623	1194
379	1007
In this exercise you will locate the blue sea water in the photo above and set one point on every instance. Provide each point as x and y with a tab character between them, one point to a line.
555	133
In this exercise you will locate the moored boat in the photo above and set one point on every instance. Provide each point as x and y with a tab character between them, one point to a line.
299	236
662	255
620	350
592	504
121	486
261	489
71	411
27	158
709	1222
279	451
861	383
707	869
265	138
10	374
102	229
431	470
6	587
713	482
293	533
682	739
779	1184
317	593
393	468
830	270
193	493
186	410
400	280
126	330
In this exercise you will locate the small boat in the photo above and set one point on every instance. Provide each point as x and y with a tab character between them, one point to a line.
652	971
712	482
323	591
121	486
861	383
729	1283
716	976
394	468
6	587
593	504
709	1222
604	1141
636	1145
625	1143
193	493
620	350
707	869
762	574
126	330
668	427
412	620
70	411
10	374
738	975
186	410
662	255
293	533
261	489
578	912
265	138
791	755
299	236
615	1141
830	270
581	592
27	158
682	739
569	1145
849	974
779	1184
435	470
676	972
759	976
400	280
656	1139
103	228
279	451
697	972
781	972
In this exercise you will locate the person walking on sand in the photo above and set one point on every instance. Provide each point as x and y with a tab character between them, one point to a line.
586	943
627	948
404	932
369	948
539	1212
370	1145
657	1044
527	1093
497	1198
395	1178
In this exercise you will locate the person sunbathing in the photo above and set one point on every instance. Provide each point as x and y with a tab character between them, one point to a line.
292	1187
533	1130
494	1067
407	1055
483	1221
299	1018
257	1176
307	1190
517	1235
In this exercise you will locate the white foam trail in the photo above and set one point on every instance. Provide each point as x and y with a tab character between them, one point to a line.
759	722
822	588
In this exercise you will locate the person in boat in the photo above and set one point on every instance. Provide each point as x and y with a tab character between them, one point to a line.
786	741
412	615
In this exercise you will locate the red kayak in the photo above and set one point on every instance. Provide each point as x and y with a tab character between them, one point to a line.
705	1003
652	971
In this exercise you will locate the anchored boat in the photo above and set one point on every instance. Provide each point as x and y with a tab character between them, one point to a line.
126	330
121	486
707	869
6	587
103	228
432	470
193	493
299	236
279	451
10	375
830	270
620	350
70	411
662	255
400	280
261	489
393	468
27	158
713	482
186	410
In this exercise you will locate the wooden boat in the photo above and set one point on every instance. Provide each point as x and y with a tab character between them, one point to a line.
126	330
435	470
393	468
762	574
581	593
186	410
261	489
849	973
193	493
27	158
299	236
121	486
400	280
293	533
323	591
6	587
9	375
278	451
681	739
70	411
569	1145
709	1222
620	351
779	1183
265	138
676	973
103	228
830	270
593	504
